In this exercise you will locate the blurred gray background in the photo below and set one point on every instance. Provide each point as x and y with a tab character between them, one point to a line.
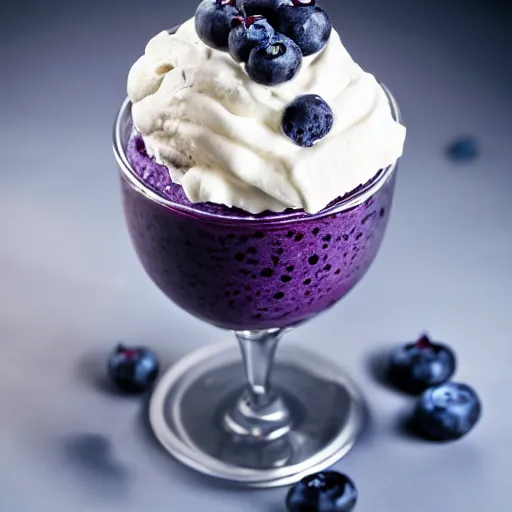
71	287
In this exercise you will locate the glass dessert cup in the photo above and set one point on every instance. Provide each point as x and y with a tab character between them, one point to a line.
267	418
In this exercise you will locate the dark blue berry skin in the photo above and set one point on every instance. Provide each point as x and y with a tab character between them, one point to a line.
417	366
307	120
263	7
328	491
309	26
132	370
447	412
275	63
213	22
247	35
464	149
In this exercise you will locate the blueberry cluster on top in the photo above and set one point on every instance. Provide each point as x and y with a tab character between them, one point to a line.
269	36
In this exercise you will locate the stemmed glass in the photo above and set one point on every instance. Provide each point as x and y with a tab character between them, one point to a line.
265	419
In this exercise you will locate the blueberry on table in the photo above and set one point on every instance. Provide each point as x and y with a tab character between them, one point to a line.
132	369
327	491
414	367
306	24
463	149
213	22
274	63
447	412
307	120
247	34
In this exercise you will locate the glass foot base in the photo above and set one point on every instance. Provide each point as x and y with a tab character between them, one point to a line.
189	404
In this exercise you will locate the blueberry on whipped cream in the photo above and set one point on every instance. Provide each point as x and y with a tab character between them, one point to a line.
305	23
307	120
213	22
247	34
276	62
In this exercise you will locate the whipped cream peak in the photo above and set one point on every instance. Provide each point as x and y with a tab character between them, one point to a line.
219	133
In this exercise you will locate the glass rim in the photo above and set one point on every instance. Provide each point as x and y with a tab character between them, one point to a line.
349	202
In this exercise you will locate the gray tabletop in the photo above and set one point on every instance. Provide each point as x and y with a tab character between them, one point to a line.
71	286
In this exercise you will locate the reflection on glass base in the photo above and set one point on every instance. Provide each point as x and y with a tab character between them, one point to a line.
188	410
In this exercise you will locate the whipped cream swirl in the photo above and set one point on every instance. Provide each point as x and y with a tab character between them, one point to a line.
219	133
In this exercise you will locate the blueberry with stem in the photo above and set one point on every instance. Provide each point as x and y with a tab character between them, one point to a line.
417	366
132	369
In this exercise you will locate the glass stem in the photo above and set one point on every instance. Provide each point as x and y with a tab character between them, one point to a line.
260	412
258	351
